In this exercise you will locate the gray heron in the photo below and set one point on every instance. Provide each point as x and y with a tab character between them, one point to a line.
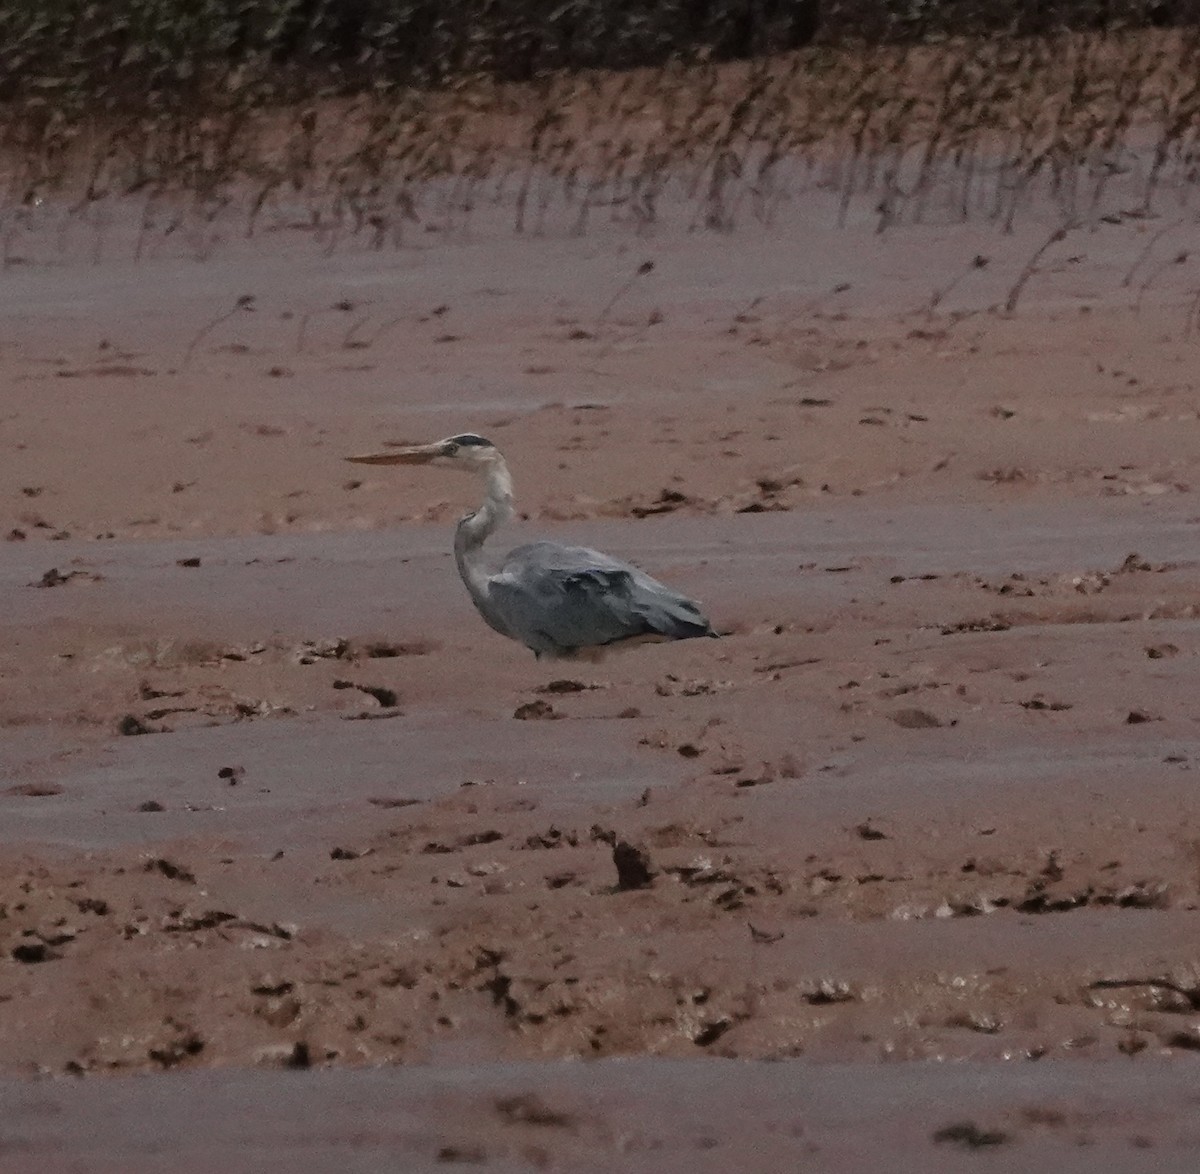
559	601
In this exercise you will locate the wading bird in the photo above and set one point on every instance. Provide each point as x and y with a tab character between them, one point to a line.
559	601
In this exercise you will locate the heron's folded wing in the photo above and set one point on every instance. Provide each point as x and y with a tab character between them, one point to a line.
570	597
553	556
554	609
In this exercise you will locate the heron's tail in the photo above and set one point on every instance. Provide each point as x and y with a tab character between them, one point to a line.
680	620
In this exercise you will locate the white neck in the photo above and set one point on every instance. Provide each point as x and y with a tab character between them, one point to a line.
475	529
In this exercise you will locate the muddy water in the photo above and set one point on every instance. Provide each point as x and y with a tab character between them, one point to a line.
920	829
640	1114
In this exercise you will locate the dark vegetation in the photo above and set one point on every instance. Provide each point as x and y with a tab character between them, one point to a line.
134	52
362	118
120	51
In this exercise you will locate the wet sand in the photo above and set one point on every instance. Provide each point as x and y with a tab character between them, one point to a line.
273	797
638	1114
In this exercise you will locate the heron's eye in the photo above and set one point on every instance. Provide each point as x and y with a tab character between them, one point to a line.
450	449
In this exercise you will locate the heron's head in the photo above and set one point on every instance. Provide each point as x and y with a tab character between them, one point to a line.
465	451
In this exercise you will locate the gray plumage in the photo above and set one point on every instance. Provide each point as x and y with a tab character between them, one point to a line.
559	601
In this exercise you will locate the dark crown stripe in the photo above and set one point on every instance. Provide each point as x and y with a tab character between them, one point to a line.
469	438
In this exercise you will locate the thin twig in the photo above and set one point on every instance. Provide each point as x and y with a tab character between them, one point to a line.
641	271
1014	294
1127	280
979	261
244	304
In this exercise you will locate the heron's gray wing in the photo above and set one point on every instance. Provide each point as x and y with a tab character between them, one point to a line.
556	599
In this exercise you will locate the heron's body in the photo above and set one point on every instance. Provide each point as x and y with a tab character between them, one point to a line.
559	601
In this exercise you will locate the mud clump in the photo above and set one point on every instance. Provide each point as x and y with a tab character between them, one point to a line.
969	1136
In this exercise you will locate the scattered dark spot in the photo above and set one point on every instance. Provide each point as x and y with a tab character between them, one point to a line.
564	686
344	854
552	837
1039	901
231	774
300	1056
1161	651
633	866
867	831
31	952
915	719
763	937
170	870
159	714
1140	896
187	562
826	992
469	1155
535	711
500	987
398	977
388	698
210	919
436	848
985	625
388	802
55	578
530	1109
272	989
1040	703
731	899
131	726
687	750
1136	717
969	1136
711	1032
34	790
380	650
984	1024
768	776
178	1050
151	805
1133	562
148	693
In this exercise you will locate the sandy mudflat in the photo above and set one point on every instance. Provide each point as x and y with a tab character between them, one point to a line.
287	881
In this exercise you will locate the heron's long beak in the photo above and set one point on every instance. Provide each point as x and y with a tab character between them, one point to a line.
416	454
